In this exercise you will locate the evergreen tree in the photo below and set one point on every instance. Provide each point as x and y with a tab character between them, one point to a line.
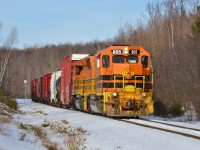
196	25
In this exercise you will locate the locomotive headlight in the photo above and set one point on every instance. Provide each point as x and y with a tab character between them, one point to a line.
144	94
126	52
114	94
126	48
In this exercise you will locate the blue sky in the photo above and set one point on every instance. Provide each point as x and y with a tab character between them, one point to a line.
60	21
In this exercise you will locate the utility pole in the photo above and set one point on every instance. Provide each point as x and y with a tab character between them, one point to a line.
25	82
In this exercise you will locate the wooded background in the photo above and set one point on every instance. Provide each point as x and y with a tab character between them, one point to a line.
170	31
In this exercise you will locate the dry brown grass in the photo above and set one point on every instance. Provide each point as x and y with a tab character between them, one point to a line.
58	128
75	142
22	136
4	119
23	126
74	138
40	133
38	112
46	123
65	121
81	130
71	138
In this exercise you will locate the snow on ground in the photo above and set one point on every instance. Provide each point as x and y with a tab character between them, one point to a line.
95	132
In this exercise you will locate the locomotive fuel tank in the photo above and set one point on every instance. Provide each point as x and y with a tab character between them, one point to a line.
95	103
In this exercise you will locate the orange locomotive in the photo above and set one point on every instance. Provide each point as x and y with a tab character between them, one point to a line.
116	81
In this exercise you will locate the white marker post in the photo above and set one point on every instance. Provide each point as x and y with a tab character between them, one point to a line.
25	82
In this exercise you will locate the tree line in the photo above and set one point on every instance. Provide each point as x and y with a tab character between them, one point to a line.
170	31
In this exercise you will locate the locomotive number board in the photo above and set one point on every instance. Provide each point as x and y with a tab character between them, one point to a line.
131	52
134	52
116	51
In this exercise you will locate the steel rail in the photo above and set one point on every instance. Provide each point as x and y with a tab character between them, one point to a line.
161	129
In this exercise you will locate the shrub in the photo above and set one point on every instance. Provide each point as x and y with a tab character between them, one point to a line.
8	101
168	109
196	104
175	109
160	108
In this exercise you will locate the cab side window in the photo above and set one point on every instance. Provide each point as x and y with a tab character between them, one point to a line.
105	61
79	69
145	61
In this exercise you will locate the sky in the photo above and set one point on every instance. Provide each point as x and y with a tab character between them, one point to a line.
41	22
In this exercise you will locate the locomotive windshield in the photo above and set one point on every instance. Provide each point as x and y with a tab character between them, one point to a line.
121	59
118	59
132	59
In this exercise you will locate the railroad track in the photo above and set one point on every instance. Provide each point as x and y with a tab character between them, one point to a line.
166	127
194	129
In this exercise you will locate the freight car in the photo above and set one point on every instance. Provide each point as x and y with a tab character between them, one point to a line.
34	92
45	88
116	81
66	78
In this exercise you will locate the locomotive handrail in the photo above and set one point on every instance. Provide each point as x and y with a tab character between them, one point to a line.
115	76
143	81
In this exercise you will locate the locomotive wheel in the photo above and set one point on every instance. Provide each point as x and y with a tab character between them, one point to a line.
137	117
64	106
58	104
53	103
49	102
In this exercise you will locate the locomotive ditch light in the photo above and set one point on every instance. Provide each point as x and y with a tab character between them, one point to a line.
126	52
144	94
114	94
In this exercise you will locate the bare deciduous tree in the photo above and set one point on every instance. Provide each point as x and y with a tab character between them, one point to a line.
10	41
